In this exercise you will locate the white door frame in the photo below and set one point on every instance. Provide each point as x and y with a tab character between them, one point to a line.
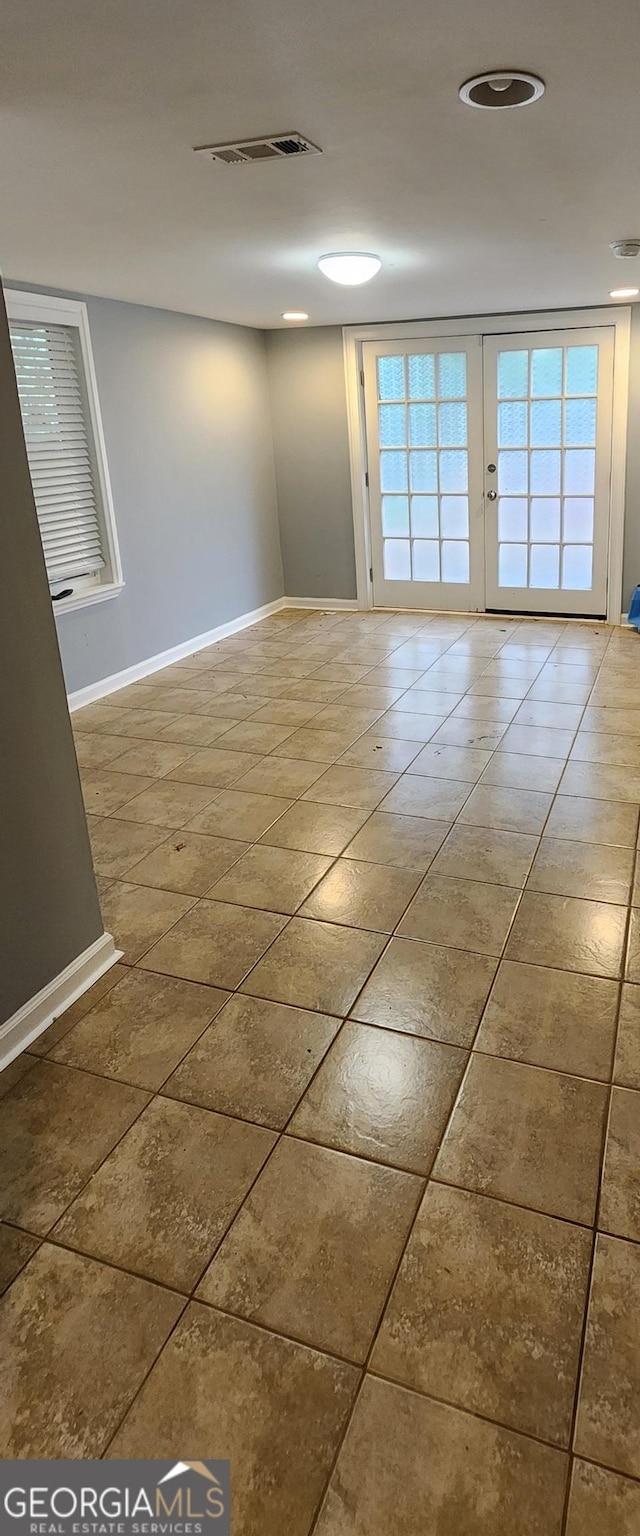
489	325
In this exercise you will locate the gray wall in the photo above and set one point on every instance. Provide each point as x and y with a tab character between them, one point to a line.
309	417
49	909
312	463
185	412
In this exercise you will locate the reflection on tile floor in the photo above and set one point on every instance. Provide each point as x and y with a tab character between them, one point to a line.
337	1171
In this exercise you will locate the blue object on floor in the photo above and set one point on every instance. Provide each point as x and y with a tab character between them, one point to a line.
633	616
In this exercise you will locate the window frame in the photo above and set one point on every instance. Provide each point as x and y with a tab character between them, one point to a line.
48	309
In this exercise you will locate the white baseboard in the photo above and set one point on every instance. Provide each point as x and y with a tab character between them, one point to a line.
140	669
40	1011
328	604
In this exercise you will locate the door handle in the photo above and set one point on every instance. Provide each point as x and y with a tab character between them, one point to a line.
491	495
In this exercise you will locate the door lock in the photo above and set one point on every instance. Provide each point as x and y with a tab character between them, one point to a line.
491	469
491	495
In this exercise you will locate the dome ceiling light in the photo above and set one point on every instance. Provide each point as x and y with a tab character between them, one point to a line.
350	267
501	88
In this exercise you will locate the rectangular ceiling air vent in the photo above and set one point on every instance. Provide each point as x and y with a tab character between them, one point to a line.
279	146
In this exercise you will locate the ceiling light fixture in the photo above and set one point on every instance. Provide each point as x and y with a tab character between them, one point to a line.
501	88
295	314
350	267
624	293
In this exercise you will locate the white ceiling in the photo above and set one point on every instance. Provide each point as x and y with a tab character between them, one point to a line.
101	104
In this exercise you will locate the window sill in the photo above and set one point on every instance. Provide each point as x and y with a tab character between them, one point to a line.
86	599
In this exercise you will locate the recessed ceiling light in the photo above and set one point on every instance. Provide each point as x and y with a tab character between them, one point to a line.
350	267
501	88
295	314
624	293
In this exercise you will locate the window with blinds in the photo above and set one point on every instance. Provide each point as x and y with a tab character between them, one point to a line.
53	401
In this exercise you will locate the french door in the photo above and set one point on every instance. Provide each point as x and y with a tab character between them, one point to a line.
424	435
489	463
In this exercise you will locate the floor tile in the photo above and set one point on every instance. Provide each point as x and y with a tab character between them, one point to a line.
99	751
315	828
255	1060
362	895
484	734
602	1503
281	776
161	1202
512	810
537	712
425	1469
211	1369
137	915
419	795
276	879
256	736
195	730
475	706
528	1136
462	763
407	725
462	913
363	788
568	934
15	1249
218	766
153	758
236	814
187	862
65	1021
427	990
537	740
385	753
140	1030
408	842
593	821
14	1071
316	965
627	1061
382	1095
602	781
167	804
429	701
55	1127
93	1348
487	1311
104	790
345	717
608	1423
317	745
620	1197
313	1251
590	870
602	747
516	770
554	1019
116	844
216	943
482	853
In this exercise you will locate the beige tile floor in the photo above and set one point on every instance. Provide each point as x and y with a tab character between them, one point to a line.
337	1172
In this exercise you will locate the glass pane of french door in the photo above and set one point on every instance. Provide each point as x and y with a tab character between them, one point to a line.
548	401
423	404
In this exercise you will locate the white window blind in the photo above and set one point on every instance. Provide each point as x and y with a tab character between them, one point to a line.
54	415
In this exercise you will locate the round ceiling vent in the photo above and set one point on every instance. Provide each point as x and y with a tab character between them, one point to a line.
501	88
